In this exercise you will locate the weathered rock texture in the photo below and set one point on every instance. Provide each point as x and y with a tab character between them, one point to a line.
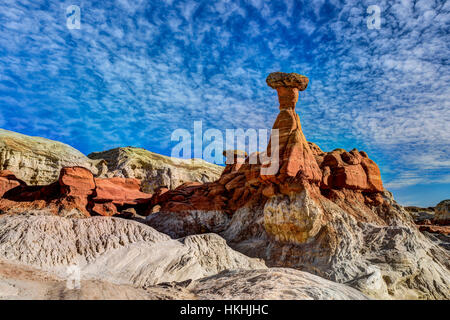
23	282
442	213
342	176
323	212
8	181
386	260
76	193
421	215
120	259
154	170
115	250
433	222
38	161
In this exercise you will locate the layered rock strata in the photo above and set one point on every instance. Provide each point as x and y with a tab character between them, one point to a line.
38	161
323	212
154	170
76	193
293	206
339	175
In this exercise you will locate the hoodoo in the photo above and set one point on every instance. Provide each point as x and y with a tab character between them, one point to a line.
295	156
290	164
292	205
323	212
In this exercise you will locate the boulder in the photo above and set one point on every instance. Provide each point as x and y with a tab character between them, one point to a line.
8	181
120	191
442	213
277	80
76	182
293	218
350	170
107	209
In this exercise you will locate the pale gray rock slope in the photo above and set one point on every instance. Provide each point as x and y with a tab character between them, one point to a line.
38	161
24	282
155	170
121	259
178	224
115	250
21	282
272	284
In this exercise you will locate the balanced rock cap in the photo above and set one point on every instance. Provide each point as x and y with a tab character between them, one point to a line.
288	80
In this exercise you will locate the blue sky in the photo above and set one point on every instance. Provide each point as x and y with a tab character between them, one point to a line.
137	70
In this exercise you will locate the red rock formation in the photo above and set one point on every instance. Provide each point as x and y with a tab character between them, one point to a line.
349	170
113	193
350	178
76	186
8	181
435	229
76	189
295	156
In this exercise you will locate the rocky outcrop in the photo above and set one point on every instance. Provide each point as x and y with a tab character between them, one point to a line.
112	195
433	224
421	215
76	193
154	170
273	284
38	161
323	212
388	260
294	155
349	170
8	181
345	177
292	205
442	213
435	229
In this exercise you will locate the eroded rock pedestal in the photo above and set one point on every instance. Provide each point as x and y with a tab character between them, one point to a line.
289	166
323	212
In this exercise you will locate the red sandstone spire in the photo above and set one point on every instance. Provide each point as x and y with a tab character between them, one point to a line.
295	157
